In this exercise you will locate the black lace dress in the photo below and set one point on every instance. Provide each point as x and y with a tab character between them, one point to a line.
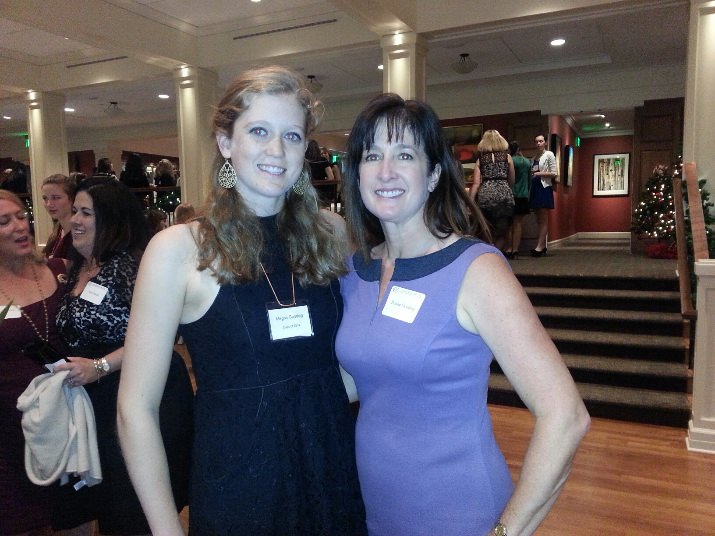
274	443
94	330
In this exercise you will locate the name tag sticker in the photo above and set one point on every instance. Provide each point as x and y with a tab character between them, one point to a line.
12	312
289	322
94	293
403	304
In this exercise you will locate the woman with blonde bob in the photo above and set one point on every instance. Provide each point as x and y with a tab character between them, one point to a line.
493	179
252	286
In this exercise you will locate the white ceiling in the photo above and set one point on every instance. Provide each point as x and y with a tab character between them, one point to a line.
63	46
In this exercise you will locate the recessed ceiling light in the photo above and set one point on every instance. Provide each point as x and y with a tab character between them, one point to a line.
69	109
255	1
380	67
163	96
558	42
601	116
7	117
607	125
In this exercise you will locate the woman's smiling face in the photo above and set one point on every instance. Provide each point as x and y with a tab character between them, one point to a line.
395	180
83	223
267	150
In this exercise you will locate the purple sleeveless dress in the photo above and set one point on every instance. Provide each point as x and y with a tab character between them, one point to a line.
428	462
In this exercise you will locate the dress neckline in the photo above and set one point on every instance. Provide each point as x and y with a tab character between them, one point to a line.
415	268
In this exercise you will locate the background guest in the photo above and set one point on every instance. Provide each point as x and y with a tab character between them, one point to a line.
184	212
164	174
522	173
134	173
157	220
104	169
34	289
493	178
57	195
109	232
541	196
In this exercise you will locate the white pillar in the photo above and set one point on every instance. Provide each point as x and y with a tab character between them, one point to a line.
196	91
48	151
701	429
699	131
404	58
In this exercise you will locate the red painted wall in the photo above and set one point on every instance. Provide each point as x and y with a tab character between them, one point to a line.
600	214
562	220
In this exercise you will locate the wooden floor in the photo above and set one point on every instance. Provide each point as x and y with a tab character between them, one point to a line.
627	479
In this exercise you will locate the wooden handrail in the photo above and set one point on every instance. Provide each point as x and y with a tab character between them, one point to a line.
686	298
697	217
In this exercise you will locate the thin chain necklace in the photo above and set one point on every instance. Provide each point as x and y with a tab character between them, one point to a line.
44	308
292	284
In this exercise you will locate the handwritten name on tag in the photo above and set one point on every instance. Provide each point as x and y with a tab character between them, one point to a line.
290	322
94	293
403	304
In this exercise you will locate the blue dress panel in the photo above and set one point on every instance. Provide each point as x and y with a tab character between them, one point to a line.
427	458
274	445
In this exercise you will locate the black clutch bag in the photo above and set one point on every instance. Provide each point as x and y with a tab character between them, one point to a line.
42	352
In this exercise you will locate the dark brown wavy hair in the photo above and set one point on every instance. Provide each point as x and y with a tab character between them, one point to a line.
448	208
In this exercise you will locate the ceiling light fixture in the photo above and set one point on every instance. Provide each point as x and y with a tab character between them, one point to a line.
69	110
113	108
464	64
380	67
559	41
313	84
163	96
6	117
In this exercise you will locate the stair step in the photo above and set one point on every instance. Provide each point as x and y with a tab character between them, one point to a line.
646	322
600	282
637	373
632	300
640	405
626	345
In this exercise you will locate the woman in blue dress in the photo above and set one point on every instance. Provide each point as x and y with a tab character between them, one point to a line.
252	286
427	307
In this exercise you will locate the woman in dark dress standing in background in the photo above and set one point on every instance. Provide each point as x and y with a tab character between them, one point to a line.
109	233
34	289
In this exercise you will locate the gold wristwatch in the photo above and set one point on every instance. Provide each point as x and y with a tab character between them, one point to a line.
499	530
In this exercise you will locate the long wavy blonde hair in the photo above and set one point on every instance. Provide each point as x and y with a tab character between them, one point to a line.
230	240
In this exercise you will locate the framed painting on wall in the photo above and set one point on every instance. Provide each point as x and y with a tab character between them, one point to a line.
610	174
568	165
555	147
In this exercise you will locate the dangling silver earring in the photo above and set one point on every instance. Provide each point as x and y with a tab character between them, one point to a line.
227	177
301	184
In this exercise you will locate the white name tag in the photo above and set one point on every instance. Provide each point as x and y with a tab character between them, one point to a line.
289	322
403	304
12	312
94	293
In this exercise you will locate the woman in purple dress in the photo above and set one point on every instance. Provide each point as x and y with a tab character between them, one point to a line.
427	307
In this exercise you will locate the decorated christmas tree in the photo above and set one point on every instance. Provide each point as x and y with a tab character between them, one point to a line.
654	216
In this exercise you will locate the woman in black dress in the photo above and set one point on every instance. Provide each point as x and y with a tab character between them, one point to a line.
109	232
252	286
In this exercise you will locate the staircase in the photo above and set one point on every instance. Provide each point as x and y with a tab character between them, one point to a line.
619	333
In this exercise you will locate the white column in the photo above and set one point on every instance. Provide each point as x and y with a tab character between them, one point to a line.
699	131
196	91
48	151
404	58
701	429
